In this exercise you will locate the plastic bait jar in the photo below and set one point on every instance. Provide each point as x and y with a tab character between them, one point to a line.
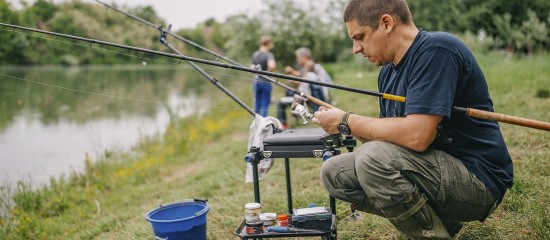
282	220
254	227
252	212
269	219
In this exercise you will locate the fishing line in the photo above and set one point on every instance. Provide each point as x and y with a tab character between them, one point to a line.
112	96
98	47
472	112
90	46
82	91
175	63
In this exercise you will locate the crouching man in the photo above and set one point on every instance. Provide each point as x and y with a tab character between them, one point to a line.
422	166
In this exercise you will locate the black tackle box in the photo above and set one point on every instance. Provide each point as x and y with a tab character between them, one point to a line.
318	220
299	143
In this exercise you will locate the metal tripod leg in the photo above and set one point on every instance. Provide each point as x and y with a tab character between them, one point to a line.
288	185
256	181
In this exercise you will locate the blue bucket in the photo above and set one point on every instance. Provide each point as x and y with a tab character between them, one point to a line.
179	220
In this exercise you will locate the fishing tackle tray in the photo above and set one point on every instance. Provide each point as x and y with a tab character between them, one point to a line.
241	232
299	143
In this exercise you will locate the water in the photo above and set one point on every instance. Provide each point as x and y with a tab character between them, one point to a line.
47	131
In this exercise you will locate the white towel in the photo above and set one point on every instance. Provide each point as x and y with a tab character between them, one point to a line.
260	128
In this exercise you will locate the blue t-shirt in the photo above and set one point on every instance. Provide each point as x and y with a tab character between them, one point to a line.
439	72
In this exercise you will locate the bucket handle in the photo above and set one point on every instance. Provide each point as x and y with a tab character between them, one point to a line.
204	200
185	201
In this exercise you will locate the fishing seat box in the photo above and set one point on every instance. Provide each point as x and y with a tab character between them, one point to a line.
297	143
300	143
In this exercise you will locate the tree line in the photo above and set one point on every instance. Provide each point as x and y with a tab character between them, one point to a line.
512	25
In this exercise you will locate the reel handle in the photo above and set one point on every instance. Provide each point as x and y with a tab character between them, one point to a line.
301	110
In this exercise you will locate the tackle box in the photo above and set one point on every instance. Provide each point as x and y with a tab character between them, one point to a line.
319	218
298	143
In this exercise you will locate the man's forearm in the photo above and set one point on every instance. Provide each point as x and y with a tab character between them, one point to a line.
415	132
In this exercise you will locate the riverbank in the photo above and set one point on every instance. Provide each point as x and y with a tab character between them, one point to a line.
87	110
203	157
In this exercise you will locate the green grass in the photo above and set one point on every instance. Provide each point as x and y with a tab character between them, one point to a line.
203	157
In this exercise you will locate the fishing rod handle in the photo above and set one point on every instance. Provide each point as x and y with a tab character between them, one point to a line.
508	119
319	102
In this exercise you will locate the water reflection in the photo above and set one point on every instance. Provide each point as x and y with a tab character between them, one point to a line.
46	131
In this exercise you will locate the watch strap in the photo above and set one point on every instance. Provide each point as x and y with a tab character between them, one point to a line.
343	127
345	118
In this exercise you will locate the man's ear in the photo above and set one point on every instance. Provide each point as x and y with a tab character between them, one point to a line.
387	22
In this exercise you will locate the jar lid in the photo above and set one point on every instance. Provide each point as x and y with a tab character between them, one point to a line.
268	216
252	206
254	224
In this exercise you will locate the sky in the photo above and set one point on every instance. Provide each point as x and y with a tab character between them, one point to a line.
188	13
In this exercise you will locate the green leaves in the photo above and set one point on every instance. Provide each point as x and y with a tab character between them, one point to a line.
291	26
515	24
75	18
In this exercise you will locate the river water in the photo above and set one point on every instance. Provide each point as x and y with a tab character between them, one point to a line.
52	117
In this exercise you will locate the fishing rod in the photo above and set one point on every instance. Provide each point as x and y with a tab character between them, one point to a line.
218	56
163	40
303	110
205	74
207	62
467	111
255	172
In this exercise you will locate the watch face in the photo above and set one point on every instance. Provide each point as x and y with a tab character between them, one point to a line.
344	129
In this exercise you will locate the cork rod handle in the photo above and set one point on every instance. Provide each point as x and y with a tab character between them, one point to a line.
508	119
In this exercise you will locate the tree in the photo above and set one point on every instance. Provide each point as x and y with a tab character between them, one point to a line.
243	33
39	12
291	26
535	32
12	47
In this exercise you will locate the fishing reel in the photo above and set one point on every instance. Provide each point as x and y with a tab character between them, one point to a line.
164	33
301	110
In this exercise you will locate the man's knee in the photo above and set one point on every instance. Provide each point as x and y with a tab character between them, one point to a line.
328	175
337	173
373	157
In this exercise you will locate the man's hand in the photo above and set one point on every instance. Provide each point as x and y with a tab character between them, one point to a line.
289	70
292	71
328	119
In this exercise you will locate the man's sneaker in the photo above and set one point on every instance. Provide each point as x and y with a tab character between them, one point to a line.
452	227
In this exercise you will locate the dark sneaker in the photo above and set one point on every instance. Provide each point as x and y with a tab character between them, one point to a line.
452	227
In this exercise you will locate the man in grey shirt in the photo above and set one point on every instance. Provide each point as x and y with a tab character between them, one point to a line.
263	60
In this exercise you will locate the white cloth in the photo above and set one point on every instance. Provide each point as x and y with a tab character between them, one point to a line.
260	128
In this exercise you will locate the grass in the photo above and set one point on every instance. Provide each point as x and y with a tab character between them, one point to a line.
203	157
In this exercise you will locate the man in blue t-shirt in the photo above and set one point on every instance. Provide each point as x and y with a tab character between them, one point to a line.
424	167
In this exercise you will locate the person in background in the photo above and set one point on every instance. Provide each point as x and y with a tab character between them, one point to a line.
303	58
263	60
422	166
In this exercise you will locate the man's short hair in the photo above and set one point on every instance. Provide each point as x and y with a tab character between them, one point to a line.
265	40
369	12
304	52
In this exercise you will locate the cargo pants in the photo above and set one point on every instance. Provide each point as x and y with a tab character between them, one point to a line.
380	173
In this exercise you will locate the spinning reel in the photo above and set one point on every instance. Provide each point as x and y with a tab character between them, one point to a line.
301	110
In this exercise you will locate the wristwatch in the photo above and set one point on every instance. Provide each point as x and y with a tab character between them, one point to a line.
343	127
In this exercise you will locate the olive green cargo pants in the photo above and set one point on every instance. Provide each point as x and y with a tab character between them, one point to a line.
380	174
